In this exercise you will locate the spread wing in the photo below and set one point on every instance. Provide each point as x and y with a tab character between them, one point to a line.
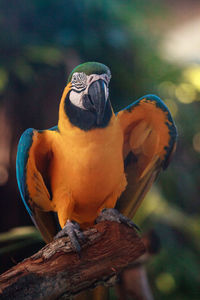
149	142
32	168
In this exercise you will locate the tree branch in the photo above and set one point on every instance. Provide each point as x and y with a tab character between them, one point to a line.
56	271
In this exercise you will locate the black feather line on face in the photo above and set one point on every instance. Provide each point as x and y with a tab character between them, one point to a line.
86	119
77	91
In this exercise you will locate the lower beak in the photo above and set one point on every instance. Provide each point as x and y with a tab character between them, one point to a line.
97	97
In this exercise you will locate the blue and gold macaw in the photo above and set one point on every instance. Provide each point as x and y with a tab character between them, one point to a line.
94	160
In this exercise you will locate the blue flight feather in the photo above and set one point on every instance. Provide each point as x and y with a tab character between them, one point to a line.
24	145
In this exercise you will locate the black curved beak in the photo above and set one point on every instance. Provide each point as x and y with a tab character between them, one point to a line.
95	100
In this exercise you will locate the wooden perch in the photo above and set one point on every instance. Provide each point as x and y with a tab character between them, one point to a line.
57	272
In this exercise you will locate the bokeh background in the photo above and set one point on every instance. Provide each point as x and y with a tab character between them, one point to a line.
150	47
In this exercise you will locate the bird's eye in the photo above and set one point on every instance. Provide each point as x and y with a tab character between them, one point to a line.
79	81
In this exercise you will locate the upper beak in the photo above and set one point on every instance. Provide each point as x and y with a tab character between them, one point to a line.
96	98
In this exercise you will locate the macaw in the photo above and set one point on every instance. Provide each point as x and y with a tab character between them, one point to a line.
94	160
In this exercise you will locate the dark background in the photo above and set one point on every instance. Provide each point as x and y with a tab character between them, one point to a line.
40	43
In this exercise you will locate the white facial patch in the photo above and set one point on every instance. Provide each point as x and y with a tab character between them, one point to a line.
76	98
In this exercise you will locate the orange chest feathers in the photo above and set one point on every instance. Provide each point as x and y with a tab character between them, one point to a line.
88	166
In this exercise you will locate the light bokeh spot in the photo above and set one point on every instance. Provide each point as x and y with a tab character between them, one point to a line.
185	93
192	75
165	283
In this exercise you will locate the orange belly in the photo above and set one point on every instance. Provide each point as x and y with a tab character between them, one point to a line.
93	190
90	172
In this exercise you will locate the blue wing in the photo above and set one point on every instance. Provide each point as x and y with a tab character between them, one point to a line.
27	167
24	145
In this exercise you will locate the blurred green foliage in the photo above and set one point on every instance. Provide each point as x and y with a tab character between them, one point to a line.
41	41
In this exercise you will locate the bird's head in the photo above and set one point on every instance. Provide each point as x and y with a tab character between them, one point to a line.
85	100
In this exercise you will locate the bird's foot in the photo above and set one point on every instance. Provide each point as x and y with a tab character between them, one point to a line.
112	214
72	230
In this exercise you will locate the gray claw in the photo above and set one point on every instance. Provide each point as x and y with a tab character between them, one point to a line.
72	230
112	214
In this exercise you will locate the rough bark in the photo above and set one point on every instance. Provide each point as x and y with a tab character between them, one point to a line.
133	283
57	272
